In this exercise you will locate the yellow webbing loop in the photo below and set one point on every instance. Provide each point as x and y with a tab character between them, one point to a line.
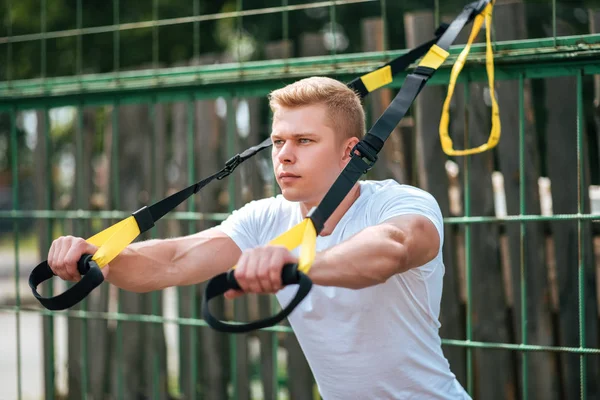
378	78
113	240
434	57
445	139
303	234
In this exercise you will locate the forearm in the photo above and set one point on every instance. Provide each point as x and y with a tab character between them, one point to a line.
368	258
144	266
158	264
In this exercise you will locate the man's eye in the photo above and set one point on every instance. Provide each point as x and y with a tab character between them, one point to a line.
304	140
278	142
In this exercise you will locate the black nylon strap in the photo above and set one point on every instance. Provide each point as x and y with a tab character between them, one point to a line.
91	278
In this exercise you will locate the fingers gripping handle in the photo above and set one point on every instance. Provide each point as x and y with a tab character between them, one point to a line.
91	278
226	281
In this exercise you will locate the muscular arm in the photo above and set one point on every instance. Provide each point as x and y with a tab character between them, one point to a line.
153	264
157	264
376	253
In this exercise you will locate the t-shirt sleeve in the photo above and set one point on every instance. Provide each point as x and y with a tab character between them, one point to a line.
402	200
242	225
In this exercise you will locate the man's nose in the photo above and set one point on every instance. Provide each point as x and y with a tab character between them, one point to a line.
286	153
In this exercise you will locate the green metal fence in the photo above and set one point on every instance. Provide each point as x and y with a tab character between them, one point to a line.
533	60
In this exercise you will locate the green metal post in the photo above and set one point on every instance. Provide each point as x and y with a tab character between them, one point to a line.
15	205
155	43
116	38
9	65
332	21
155	356
467	163
117	206
196	30
581	193
192	229
231	207
554	21
384	23
80	204
523	233
43	44
79	62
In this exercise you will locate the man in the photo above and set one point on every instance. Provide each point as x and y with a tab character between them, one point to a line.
369	327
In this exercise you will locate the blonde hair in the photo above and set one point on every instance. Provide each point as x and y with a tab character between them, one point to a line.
344	109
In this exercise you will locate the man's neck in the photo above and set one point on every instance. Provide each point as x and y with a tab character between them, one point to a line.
339	212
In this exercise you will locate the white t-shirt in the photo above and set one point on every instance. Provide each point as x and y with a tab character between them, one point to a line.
380	342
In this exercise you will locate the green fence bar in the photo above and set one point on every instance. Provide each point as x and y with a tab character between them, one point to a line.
50	359
231	190
81	230
15	205
523	235
468	262
580	242
43	37
116	201
155	358
116	38
191	124
196	30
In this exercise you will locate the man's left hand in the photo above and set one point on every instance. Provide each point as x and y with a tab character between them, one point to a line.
258	270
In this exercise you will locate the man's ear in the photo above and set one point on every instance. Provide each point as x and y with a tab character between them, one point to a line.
349	145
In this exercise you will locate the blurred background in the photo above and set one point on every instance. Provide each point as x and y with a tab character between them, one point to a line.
106	106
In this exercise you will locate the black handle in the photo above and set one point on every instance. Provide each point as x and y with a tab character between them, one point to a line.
226	281
91	278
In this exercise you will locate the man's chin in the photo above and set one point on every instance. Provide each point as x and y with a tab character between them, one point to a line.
293	195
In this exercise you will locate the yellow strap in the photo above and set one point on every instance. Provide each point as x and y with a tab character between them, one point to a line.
113	240
434	57
303	234
308	249
445	139
378	78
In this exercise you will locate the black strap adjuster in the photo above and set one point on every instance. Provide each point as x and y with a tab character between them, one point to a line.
230	165
366	153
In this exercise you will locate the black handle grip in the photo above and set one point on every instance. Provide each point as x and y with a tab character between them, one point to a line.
226	281
91	278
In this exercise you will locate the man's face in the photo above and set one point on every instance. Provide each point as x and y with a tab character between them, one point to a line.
307	154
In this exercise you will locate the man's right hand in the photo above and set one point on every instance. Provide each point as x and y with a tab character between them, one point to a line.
64	254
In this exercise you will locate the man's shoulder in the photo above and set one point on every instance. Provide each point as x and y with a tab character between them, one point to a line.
392	188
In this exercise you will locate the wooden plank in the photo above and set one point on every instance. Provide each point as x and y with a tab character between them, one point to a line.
509	24
432	176
561	164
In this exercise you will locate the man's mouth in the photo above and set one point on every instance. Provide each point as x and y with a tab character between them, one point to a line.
287	177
